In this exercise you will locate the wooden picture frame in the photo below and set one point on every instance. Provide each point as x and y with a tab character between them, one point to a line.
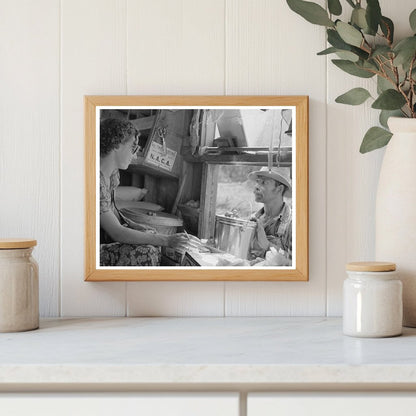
210	134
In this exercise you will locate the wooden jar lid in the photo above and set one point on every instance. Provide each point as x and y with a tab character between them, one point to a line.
11	243
371	266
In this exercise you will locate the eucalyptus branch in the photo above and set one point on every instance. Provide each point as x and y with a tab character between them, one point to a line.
408	76
382	35
413	89
381	65
373	54
366	43
390	63
384	73
412	86
386	61
406	97
395	71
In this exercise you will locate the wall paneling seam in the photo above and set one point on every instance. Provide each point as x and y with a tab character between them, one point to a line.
60	68
326	182
126	58
225	3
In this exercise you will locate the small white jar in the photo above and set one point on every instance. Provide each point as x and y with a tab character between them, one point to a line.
19	286
372	300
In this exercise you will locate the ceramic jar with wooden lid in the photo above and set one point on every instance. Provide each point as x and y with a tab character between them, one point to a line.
19	286
372	300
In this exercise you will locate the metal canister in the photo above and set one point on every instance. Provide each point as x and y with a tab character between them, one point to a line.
234	235
19	286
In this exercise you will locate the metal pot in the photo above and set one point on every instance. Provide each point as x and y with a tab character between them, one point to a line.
234	235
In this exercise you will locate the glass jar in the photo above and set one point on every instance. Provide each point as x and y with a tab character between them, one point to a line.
19	286
372	300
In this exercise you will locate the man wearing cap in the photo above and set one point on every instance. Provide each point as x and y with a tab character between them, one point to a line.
273	238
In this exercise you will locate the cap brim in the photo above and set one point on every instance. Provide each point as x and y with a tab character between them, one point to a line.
270	175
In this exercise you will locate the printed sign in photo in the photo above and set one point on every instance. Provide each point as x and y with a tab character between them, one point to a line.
161	157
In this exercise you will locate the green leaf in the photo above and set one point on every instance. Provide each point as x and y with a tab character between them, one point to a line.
336	41
405	50
348	56
356	96
370	65
360	52
349	34
386	114
352	68
405	43
389	100
383	84
381	50
334	7
375	138
327	51
412	20
373	15
387	27
311	12
358	18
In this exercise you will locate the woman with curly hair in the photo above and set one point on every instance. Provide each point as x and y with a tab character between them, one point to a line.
119	245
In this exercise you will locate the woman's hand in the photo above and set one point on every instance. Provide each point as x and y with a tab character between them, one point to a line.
176	240
111	225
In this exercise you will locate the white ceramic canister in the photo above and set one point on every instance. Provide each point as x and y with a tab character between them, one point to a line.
372	300
19	286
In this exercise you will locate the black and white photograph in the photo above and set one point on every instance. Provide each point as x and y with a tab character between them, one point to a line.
206	187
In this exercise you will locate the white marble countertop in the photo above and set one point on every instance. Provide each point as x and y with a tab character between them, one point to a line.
204	351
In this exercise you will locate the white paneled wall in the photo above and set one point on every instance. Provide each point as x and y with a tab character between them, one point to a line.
55	52
175	47
93	61
30	135
262	58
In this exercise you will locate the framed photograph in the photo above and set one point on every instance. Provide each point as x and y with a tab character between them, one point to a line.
196	188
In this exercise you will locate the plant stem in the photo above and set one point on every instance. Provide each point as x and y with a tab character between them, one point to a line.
398	85
388	34
366	43
412	87
395	71
408	101
384	73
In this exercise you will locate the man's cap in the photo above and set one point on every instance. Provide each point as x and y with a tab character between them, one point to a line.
276	174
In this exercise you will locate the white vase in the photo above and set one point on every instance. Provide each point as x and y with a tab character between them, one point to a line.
396	210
